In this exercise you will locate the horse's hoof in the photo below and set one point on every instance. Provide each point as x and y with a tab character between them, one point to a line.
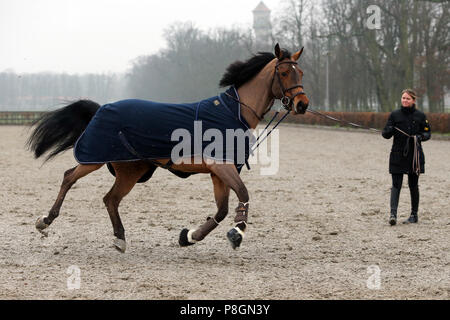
392	221
186	238
235	236
41	225
120	245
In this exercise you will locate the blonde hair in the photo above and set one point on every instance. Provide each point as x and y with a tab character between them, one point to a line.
411	93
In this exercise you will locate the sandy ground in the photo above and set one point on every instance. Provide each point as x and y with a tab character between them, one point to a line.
318	228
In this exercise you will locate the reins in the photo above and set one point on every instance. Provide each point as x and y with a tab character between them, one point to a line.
287	104
341	121
268	134
416	155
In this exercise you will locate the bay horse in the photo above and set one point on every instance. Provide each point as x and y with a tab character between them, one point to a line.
258	82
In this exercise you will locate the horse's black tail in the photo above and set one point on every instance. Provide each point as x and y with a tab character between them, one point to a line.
59	130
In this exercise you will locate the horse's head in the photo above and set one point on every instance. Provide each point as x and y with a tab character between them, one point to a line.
287	83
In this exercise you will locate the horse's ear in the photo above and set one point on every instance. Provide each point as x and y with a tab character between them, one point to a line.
278	52
297	55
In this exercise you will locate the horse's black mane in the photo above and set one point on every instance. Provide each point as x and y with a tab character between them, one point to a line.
240	72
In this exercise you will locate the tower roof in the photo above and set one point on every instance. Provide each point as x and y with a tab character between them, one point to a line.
261	7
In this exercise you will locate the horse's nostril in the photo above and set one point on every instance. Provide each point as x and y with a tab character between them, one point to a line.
301	107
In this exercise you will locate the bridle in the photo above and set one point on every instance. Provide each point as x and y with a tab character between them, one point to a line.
286	101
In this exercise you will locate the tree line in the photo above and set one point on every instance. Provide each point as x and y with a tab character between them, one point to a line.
359	55
371	49
191	66
47	91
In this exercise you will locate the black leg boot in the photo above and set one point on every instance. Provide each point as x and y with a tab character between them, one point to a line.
414	218
395	195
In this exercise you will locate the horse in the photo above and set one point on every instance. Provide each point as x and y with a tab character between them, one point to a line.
257	83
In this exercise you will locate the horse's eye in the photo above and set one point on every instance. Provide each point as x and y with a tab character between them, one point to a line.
284	74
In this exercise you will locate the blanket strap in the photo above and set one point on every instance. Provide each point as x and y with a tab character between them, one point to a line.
127	145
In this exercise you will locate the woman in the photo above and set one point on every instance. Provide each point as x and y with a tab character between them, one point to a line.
409	127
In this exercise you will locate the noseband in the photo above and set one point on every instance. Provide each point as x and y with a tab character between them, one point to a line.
285	100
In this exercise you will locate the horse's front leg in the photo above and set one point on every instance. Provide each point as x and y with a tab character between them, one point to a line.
230	177
221	195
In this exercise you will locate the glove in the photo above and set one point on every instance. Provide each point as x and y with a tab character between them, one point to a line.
388	132
389	129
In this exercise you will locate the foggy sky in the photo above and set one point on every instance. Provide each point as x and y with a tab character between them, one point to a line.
79	36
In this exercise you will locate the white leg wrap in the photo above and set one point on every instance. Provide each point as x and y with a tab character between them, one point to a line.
40	224
189	236
240	232
120	244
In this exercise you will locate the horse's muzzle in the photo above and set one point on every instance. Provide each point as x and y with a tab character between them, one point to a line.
301	107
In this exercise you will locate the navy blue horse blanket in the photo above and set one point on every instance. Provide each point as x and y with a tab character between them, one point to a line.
131	130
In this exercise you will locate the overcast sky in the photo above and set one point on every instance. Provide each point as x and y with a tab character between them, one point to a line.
78	36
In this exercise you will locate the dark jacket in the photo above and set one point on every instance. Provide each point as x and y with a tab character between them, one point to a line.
413	122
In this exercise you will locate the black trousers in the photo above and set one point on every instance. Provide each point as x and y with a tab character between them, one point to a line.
397	180
413	183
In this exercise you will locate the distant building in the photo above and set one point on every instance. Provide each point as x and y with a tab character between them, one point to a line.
262	27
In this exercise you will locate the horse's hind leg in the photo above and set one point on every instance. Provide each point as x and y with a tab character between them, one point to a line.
221	194
127	175
70	177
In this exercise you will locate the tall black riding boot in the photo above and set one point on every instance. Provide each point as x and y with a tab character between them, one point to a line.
414	218
395	195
